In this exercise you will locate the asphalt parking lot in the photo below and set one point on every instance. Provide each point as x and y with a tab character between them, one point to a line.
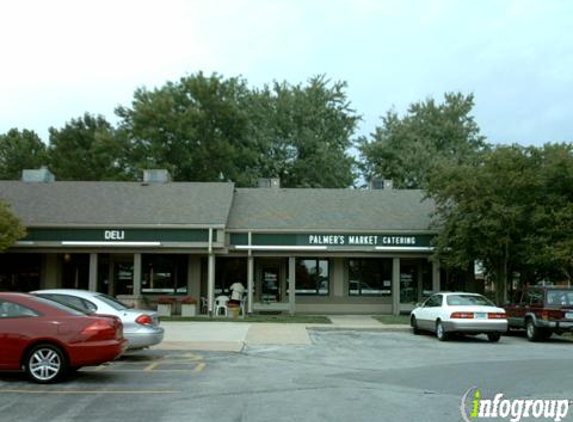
344	375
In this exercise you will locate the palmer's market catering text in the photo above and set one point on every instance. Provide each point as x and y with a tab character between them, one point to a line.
361	240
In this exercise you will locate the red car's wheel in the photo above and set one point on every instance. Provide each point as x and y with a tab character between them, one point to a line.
45	363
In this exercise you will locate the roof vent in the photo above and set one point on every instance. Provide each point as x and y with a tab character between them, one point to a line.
378	184
269	183
38	175
156	176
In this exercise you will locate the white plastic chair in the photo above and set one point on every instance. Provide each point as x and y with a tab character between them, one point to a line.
243	300
204	305
221	304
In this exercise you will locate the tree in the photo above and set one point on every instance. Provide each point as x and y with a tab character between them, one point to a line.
513	212
88	148
548	243
20	150
196	128
208	128
405	149
10	227
305	133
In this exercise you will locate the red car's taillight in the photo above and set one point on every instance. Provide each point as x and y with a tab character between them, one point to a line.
462	315
551	314
496	315
144	320
100	330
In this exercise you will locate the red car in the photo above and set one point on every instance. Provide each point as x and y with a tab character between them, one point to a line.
47	340
542	311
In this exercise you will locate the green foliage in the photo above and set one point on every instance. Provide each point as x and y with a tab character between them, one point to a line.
88	148
19	151
10	227
548	242
304	133
513	212
207	128
196	128
405	149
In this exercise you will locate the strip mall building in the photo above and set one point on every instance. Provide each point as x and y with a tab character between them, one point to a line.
307	251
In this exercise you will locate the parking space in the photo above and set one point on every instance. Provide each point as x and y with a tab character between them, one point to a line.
341	375
154	361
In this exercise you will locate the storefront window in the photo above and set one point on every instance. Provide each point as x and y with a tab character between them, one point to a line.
427	285
164	274
19	272
312	277
75	271
103	275
229	271
369	277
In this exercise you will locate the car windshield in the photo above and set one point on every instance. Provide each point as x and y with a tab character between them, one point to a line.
59	305
113	302
468	300
560	297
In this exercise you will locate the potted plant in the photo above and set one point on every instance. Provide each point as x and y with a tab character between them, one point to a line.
188	306
164	306
233	309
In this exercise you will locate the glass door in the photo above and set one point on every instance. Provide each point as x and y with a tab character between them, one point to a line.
408	284
270	284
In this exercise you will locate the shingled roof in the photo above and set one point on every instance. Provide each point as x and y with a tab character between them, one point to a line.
118	203
330	209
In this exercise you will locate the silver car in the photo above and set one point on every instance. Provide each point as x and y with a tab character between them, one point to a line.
140	327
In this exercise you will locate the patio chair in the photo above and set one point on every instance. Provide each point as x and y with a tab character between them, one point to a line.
221	305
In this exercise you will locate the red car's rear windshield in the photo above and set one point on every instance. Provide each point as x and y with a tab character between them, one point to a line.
560	297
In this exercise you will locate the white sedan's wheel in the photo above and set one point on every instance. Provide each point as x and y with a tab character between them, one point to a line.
441	332
45	363
414	325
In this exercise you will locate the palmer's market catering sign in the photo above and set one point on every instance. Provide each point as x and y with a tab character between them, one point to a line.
361	240
334	240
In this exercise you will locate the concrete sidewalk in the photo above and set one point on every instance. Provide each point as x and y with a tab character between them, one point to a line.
233	336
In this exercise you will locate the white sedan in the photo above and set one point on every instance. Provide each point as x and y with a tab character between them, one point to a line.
466	313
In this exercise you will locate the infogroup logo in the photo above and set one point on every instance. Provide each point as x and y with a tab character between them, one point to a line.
474	407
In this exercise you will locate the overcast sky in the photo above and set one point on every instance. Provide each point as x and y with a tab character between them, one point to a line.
63	58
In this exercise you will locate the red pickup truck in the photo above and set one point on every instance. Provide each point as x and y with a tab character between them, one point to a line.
542	311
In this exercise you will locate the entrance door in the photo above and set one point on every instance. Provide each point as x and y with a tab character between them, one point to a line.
270	284
408	284
123	276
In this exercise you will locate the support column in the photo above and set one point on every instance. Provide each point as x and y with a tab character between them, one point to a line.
436	287
396	286
250	281
211	275
51	277
292	284
137	274
92	285
194	276
211	282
